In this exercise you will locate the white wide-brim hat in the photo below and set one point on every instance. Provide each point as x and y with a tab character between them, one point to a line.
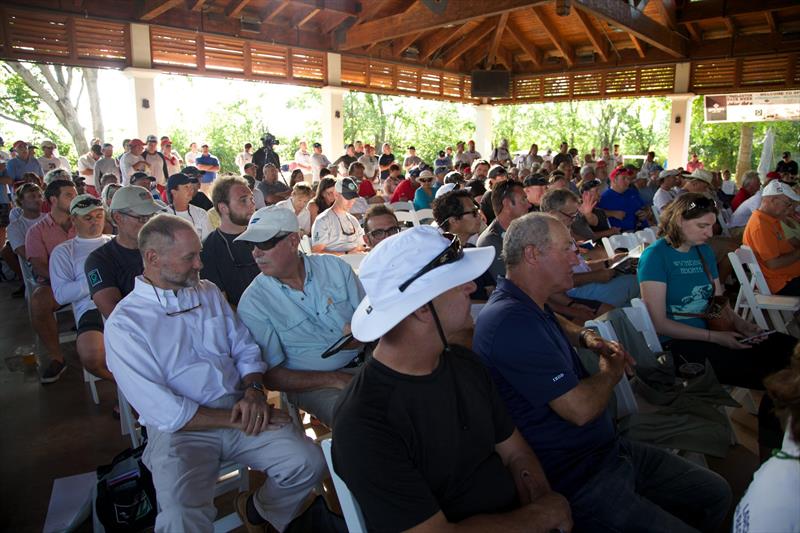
399	258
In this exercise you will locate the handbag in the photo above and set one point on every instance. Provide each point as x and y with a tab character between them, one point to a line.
126	497
718	314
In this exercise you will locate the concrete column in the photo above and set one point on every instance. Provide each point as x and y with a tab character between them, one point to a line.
681	117
142	77
484	116
333	109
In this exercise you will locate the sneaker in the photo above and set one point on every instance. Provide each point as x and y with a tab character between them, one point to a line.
240	503
53	372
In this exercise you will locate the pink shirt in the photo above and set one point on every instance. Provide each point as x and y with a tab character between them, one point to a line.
44	236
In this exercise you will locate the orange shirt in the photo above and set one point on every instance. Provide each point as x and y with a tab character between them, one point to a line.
765	236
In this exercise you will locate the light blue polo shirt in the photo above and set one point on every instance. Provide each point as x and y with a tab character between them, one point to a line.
293	328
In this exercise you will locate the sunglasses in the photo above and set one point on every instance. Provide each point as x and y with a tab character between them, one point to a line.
383	233
267	245
703	203
474	212
451	254
88	202
425	180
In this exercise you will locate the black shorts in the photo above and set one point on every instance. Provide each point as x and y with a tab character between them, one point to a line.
91	320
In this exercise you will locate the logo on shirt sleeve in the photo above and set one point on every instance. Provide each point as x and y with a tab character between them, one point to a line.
94	277
558	377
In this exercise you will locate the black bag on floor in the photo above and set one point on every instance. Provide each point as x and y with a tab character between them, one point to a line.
317	519
126	497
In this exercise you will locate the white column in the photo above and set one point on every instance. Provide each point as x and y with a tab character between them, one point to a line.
681	117
484	115
143	76
333	109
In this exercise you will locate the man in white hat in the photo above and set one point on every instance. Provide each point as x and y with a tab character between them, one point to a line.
299	311
667	179
335	230
778	258
698	181
420	436
49	160
190	368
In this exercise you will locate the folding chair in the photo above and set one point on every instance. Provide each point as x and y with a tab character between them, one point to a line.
353	516
407	216
626	401
755	297
724	224
305	244
401	206
627	241
425	216
646	236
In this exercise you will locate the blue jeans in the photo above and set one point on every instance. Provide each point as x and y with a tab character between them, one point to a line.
617	292
650	489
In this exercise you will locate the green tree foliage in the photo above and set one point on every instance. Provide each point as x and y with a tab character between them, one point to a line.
717	145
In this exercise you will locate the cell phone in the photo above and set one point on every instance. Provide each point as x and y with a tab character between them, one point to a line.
762	335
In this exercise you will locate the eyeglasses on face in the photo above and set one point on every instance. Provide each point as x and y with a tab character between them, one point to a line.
142	219
269	244
474	212
451	254
425	180
572	216
88	202
383	233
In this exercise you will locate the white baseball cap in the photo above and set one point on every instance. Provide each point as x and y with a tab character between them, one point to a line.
405	255
700	174
268	222
446	188
777	188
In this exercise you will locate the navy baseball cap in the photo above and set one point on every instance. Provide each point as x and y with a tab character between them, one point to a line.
192	171
179	179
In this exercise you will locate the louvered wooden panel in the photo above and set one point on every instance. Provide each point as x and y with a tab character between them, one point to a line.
713	74
173	48
95	39
408	79
467	95
354	71
382	75
657	79
430	82
451	85
620	82
223	54
587	84
269	60
527	88
764	71
555	87
308	65
796	69
38	34
3	50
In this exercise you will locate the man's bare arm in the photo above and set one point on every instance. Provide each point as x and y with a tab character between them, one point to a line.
283	379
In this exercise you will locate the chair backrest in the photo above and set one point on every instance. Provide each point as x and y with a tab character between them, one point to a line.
746	303
27	277
401	206
656	213
350	509
646	236
724	224
354	260
747	257
424	216
628	241
626	401
127	421
407	216
305	244
640	318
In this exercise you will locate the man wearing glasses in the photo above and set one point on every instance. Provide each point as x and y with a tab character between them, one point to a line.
380	222
112	268
509	203
299	313
195	378
335	230
227	262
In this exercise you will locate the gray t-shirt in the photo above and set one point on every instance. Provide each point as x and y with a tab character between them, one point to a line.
103	166
493	236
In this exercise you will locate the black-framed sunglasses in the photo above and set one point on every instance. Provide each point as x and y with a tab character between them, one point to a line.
383	233
451	254
269	244
474	212
425	180
88	202
344	231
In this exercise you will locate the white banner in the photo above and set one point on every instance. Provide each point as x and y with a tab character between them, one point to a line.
752	107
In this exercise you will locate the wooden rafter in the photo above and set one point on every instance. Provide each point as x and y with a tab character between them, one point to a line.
198	5
506	58
476	54
336	19
558	41
635	22
771	21
467	42
234	8
667	10
420	18
154	9
370	9
271	14
400	44
638	45
695	32
697	11
599	42
731	25
440	38
310	15
533	53
498	34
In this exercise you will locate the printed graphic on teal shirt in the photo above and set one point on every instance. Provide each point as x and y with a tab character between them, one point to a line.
697	300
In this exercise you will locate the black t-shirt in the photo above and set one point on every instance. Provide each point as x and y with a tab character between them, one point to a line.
486	206
231	268
790	167
201	200
409	446
383	160
113	265
561	158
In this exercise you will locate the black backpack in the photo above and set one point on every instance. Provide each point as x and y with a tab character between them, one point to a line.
126	497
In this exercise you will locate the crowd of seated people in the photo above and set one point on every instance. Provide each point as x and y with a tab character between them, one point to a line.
191	291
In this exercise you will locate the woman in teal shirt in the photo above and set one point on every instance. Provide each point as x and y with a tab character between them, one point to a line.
424	195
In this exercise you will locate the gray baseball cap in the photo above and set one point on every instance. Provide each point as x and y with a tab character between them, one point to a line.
135	199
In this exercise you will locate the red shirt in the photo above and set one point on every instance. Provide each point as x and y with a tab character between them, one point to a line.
740	197
365	189
404	192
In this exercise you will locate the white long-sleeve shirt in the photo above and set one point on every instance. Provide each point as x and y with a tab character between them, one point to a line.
67	278
126	169
168	366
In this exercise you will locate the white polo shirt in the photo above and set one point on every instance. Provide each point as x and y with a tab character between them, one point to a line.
168	366
339	233
67	278
197	218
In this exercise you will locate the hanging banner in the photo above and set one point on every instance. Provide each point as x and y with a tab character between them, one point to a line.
753	107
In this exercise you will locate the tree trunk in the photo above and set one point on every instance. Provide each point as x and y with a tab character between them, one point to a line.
743	160
98	129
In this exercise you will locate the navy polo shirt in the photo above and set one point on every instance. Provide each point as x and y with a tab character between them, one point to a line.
532	363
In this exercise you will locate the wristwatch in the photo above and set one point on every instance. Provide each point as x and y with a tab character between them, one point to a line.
255	385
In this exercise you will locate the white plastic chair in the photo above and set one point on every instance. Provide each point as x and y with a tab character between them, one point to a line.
646	236
354	260
656	213
640	318
305	244
627	241
353	516
724	224
424	215
407	216
401	206
755	297
91	379
626	401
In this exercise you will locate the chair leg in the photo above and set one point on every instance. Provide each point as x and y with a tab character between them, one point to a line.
90	379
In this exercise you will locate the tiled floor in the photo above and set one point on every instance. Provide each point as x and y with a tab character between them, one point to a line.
56	431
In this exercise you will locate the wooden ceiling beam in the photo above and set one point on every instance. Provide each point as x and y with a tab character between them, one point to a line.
694	32
599	42
533	53
712	9
270	15
420	18
498	35
369	9
472	59
667	10
505	57
310	15
400	44
234	8
467	43
441	38
558	41
152	10
771	21
638	45
198	5
731	25
335	21
637	23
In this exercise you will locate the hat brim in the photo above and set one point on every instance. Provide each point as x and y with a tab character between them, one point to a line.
145	208
370	323
85	210
349	195
259	234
